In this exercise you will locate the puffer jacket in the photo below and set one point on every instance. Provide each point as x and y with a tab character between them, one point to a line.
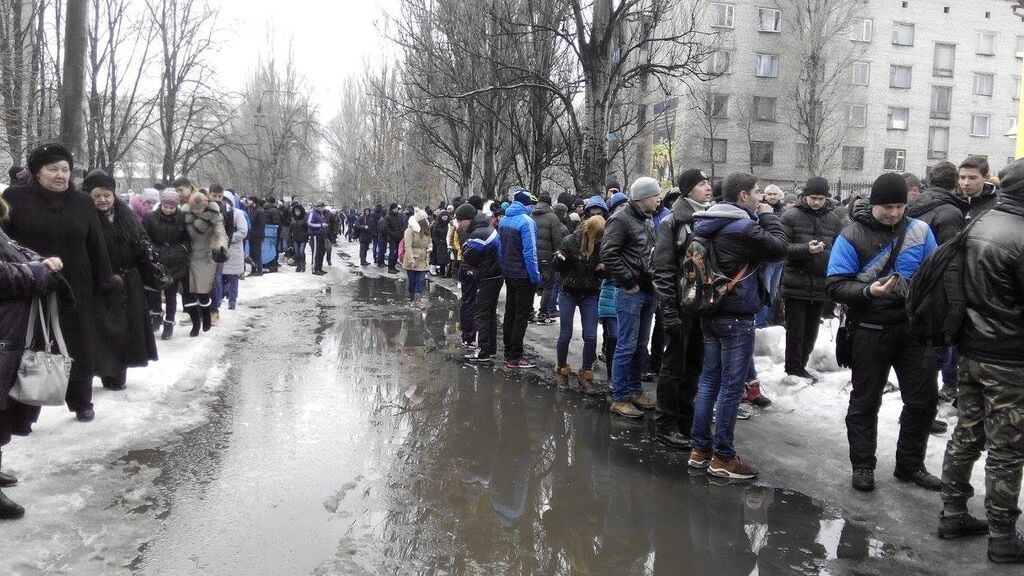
550	232
627	246
674	235
606	301
804	275
518	248
299	229
480	252
578	272
858	257
739	238
942	210
993	329
393	226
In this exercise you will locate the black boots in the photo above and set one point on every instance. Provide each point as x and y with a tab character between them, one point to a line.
168	331
863	480
193	313
6	480
207	321
1006	550
8	509
959	525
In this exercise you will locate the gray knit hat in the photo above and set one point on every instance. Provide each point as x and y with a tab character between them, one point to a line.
643	188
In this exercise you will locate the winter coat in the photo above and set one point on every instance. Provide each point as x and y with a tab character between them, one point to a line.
257	225
550	232
417	247
674	235
627	246
316	223
235	266
298	230
439	237
578	272
374	224
123	326
333	226
740	238
518	247
393	226
942	210
993	331
481	250
455	240
804	275
65	224
273	214
170	240
22	277
606	300
207	233
857	261
987	200
364	227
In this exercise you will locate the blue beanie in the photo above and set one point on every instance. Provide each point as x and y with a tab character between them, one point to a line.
617	198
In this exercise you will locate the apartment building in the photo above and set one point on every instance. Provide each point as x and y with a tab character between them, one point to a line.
931	80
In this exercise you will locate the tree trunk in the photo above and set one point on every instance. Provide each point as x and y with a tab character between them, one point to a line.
73	92
595	58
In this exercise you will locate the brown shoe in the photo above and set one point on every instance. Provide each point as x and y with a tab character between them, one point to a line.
754	395
214	318
586	382
733	469
643	402
626	409
699	459
562	374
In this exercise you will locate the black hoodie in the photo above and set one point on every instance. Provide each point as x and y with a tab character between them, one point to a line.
942	210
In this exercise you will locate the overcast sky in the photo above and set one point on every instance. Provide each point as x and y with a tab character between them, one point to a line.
330	40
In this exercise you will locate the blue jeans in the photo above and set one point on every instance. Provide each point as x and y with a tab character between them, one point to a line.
231	287
556	289
772	276
635	315
417	281
218	288
946	360
728	348
567	304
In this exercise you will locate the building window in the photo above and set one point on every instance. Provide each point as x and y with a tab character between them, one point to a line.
902	34
857	115
767	66
938	143
983	84
764	108
718	105
761	153
979	125
801	155
986	43
945	56
853	157
715	149
1015	90
942	98
898	118
720	62
895	160
769	20
861	73
860	29
899	76
722	15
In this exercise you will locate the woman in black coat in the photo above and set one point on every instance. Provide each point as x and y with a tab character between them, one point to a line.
299	235
23	276
439	239
122	316
166	230
52	218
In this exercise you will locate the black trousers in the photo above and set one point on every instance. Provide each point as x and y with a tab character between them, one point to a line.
467	305
256	253
518	305
487	292
677	381
802	320
873	354
318	245
393	253
364	247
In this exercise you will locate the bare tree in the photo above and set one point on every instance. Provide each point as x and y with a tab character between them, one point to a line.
709	116
73	90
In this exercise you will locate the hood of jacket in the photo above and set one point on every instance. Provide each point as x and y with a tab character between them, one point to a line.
709	222
683	209
932	198
516	209
541	208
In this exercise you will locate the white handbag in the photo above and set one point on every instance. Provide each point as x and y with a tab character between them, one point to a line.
42	375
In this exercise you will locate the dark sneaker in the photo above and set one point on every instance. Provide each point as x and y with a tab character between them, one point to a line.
734	469
921	478
642	401
939	427
951	527
87	415
674	439
1006	550
6	480
742	413
519	364
804	374
626	409
478	358
699	459
8	509
863	480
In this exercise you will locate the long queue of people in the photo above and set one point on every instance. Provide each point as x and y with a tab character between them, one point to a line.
627	261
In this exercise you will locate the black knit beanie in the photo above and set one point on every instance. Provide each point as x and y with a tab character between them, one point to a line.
465	212
816	186
889	188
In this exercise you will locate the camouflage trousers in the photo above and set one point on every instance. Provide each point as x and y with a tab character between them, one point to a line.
991	403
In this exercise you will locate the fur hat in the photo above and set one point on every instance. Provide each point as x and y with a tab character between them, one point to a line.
47	154
465	212
98	179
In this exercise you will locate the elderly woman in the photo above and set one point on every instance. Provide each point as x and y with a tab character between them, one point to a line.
205	227
23	275
122	316
52	218
166	231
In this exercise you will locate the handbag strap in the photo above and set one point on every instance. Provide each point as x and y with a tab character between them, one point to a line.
33	317
58	334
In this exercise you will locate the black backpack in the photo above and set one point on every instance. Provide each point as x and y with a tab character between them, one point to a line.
702	286
937	301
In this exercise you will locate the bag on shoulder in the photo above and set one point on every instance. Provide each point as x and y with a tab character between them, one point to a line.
937	302
42	375
702	286
401	250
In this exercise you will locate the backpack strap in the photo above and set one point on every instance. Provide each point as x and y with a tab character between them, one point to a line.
891	262
737	278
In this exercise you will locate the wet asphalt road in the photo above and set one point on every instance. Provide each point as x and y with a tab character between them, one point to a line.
350	439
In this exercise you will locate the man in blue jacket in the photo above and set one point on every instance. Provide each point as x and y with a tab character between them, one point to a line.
482	264
518	250
745	234
317	225
866	275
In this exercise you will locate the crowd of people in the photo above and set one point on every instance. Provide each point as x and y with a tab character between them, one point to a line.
678	282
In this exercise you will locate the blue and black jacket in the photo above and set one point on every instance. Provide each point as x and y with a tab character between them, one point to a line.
857	261
480	250
517	233
316	223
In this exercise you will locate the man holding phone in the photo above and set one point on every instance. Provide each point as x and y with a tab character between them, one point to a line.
873	283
